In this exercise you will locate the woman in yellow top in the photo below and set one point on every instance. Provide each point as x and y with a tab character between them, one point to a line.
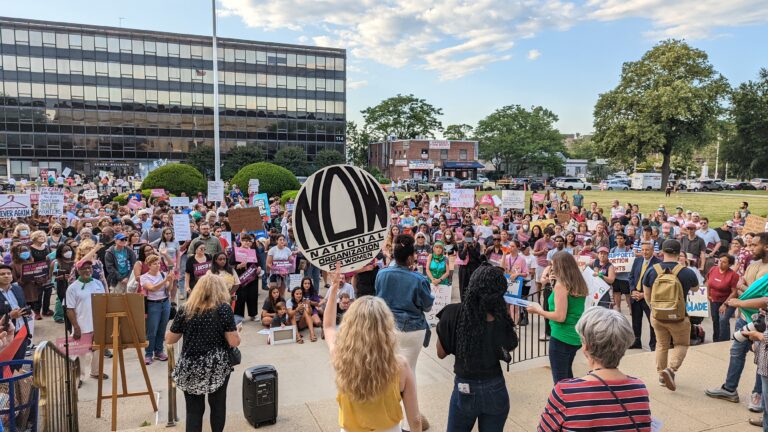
370	377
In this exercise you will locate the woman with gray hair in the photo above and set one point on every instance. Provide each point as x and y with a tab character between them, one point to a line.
592	402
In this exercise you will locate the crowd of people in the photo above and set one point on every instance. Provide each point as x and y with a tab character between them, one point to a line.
198	291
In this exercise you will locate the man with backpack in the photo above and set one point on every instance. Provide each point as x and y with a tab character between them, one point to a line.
665	288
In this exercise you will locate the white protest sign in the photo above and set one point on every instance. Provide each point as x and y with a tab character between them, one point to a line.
51	202
253	186
496	200
90	194
449	186
216	190
697	303
294	280
15	205
622	261
462	198
181	229
442	295
592	224
179	201
512	199
103	174
352	233
597	287
66	172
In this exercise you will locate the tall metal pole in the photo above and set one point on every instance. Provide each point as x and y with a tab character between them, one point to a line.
216	144
717	158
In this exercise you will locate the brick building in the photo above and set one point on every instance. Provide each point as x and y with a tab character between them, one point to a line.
402	159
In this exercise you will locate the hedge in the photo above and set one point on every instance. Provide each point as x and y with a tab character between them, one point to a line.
291	194
273	179
176	178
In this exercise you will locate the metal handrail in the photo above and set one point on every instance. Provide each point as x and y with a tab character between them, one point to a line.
58	406
173	415
530	343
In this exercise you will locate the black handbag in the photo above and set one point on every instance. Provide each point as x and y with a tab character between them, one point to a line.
235	356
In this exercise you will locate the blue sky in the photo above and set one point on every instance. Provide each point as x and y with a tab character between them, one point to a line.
468	57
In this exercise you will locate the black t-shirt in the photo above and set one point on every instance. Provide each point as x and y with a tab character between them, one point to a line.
686	276
39	255
725	240
486	363
191	268
204	331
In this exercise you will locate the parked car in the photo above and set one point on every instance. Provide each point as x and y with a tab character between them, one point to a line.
741	186
571	183
705	185
439	181
613	184
760	183
482	178
471	184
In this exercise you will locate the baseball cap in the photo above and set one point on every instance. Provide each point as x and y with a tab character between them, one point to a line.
690	225
120	236
671	246
82	264
695	214
603	249
729	223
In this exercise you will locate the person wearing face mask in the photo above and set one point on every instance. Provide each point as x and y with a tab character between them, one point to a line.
56	237
21	232
155	232
28	275
61	267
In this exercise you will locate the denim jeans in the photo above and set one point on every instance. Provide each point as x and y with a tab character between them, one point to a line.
487	402
739	352
313	273
720	323
725	321
561	357
157	320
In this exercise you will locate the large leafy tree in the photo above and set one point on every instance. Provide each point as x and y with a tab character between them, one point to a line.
746	146
407	117
666	103
239	157
458	132
358	139
521	139
293	159
328	157
202	158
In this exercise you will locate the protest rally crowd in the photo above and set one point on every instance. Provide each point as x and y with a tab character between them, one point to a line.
599	272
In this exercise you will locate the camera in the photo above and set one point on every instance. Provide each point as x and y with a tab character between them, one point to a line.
758	324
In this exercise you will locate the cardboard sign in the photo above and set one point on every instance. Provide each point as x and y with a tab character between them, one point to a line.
158	192
449	186
181	228
512	199
261	201
243	255
248	219
215	190
622	261
253	186
341	214
91	194
597	287
754	224
294	281
15	205
563	217
442	294
462	198
179	201
51	202
697	303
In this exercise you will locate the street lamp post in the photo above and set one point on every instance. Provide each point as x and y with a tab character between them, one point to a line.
216	144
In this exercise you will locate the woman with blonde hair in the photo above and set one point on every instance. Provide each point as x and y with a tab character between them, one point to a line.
207	324
86	251
371	377
566	304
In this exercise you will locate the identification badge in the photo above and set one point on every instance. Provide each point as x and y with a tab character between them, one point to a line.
463	388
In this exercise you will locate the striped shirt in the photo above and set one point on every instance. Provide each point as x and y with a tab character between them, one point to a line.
581	405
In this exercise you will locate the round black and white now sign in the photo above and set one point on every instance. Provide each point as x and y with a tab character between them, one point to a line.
341	214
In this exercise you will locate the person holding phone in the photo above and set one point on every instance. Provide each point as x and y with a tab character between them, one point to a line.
13	305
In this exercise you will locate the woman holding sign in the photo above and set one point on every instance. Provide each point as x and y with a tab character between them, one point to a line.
248	271
279	264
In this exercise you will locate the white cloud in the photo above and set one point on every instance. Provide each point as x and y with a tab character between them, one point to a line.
352	85
534	54
691	19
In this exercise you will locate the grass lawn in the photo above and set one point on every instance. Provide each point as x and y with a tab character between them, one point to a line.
717	206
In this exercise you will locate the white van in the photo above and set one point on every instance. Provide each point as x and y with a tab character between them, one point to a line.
646	181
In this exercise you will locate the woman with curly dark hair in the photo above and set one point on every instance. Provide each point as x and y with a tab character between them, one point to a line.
478	332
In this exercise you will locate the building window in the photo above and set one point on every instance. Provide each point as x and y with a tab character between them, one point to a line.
425	153
444	154
462	155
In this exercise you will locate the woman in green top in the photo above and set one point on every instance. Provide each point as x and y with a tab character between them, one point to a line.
566	304
437	266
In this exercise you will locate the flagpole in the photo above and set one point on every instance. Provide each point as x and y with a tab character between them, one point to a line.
216	144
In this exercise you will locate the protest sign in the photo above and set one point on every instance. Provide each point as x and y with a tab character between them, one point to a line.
76	346
622	261
449	186
512	199
537	197
248	219
697	303
486	200
66	172
261	201
243	255
496	200
181	229
15	205
510	299
462	198
597	287
563	217
294	280
37	271
215	190
158	192
91	194
442	294
754	224
227	236
592	224
584	260
179	201
253	186
50	202
341	214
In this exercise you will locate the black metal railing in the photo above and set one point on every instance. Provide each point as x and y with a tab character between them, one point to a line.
532	337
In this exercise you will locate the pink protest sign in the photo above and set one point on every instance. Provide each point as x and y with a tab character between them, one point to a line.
243	255
76	346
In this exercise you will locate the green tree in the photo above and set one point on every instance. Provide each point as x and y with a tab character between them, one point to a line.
273	179
458	132
521	139
328	157
293	159
585	148
358	139
664	103
407	117
746	146
202	158
176	178
238	158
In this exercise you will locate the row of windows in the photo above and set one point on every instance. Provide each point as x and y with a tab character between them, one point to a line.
68	67
183	50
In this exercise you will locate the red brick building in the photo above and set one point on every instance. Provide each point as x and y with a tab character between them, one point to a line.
403	159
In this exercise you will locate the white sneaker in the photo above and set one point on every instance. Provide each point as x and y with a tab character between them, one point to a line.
755	402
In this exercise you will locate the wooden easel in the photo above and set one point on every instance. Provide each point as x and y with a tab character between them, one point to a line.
119	342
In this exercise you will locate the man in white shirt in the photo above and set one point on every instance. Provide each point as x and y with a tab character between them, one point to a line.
710	237
346	287
617	210
80	312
